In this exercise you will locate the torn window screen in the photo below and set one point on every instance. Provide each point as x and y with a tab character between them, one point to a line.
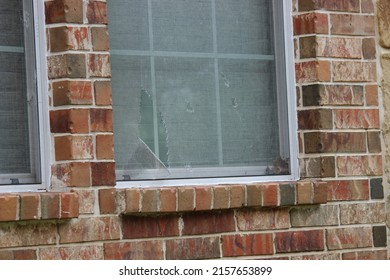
194	88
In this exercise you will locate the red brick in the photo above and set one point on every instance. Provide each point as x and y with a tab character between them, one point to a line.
186	197
354	71
97	12
70	65
89	229
203	198
29	206
299	241
150	200
99	65
362	213
254	195
139	250
336	95
372	95
103	173
374	141
105	146
72	93
356	118
348	24
359	165
65	38
9	205
320	190
103	93
74	174
270	194
367	6
335	142
193	248
107	201
168	200
318	167
132	201
50	205
348	190
305	194
221	197
26	254
208	223
319	256
150	226
262	219
86	201
100	39
73	147
69	121
312	23
92	252
365	255
237	196
313	71
315	119
330	5
101	120
69	205
348	238
247	245
369	48
64	11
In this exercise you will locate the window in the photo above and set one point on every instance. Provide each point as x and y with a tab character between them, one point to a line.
19	144
200	89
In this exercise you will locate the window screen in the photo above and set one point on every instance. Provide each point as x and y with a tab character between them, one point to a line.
196	89
18	152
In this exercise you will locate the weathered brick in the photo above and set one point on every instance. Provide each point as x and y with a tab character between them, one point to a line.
354	71
237	196
73	147
326	215
92	252
105	146
362	213
65	38
50	206
168	199
299	241
359	165
64	11
150	226
29	206
367	6
97	12
193	248
357	118
348	238
379	236
100	40
120	201
70	65
69	205
336	95
186	197
330	5
366	255
287	194
312	23
348	190
86	201
74	174
69	121
133	197
348	24
27	254
72	93
376	188
103	173
208	223
103	93
139	250
313	71
221	197
374	141
319	256
318	167
101	120
254	195
99	65
383	14
315	119
247	245
9	205
335	142
262	219
150	200
107	201
29	234
89	229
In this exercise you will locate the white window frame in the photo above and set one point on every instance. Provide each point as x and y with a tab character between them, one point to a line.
284	9
40	122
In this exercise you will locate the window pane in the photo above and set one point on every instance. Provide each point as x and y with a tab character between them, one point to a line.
199	97
18	105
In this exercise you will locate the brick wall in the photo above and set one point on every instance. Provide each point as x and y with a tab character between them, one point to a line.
336	211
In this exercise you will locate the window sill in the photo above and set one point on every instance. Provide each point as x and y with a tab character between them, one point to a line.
38	206
205	198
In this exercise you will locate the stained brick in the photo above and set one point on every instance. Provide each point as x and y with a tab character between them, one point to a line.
357	118
348	24
99	65
359	165
73	147
262	219
314	216
70	65
86	201
299	241
330	5
89	229
287	195
65	38
318	167
247	245
69	121
101	120
338	142
208	223
193	248
254	195
139	250
315	119
72	93
354	71
312	23
93	252
348	238
150	226
67	11
348	190
97	12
